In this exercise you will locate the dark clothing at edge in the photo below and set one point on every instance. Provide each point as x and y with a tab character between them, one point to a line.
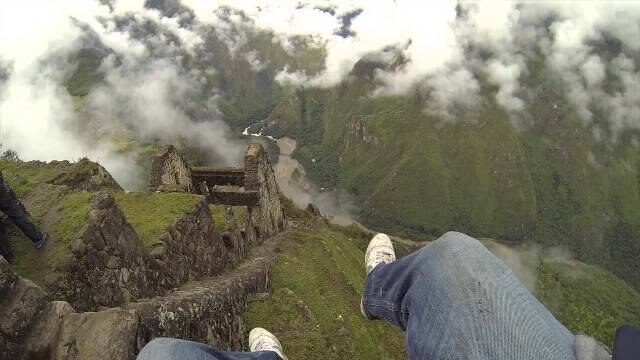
14	211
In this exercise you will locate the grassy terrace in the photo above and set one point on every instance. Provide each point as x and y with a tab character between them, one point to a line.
150	214
219	215
62	211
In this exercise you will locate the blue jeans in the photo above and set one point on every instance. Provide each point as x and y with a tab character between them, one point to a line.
454	299
174	349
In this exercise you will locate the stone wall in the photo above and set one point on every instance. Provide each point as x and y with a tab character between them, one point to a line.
253	186
109	266
233	196
20	305
170	168
218	175
209	311
259	176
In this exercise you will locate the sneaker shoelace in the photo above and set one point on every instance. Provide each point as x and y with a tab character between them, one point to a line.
264	344
383	257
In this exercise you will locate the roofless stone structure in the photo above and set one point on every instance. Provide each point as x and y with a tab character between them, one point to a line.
253	186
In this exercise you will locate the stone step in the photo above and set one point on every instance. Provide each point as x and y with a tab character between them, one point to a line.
19	308
45	330
208	311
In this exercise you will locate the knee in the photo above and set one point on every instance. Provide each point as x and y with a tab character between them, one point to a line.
456	241
158	348
455	246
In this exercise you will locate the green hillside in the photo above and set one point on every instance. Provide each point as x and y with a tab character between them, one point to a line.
418	174
318	281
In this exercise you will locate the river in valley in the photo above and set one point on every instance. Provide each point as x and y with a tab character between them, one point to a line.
295	185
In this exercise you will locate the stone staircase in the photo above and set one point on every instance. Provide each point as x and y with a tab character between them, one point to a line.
209	310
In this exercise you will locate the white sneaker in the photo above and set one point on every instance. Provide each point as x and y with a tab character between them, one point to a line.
262	340
380	250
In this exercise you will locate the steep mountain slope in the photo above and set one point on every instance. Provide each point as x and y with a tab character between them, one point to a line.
319	277
552	181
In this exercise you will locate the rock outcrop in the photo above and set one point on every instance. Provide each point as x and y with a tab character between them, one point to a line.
85	175
109	265
210	311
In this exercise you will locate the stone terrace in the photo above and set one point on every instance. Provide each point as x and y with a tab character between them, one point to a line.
114	293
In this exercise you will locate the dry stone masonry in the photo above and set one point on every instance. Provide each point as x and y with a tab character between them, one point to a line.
169	170
109	266
111	294
253	186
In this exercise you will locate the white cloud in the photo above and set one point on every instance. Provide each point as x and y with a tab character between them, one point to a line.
37	115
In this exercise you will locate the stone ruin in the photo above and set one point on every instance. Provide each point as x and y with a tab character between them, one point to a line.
253	186
111	295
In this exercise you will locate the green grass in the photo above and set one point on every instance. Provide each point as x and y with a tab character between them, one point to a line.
220	219
219	216
314	309
73	215
66	218
588	299
150	214
23	177
240	213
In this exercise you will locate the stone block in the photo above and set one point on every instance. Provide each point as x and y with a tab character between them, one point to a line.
109	334
102	201
19	308
78	247
40	342
7	277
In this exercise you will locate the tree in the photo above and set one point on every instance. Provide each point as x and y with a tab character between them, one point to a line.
10	155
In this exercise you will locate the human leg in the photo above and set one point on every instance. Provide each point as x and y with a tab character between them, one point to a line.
263	346
456	300
22	221
6	250
174	349
11	206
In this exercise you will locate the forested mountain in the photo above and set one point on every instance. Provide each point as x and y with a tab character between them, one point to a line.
515	121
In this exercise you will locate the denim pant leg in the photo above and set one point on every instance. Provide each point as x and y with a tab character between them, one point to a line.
174	349
6	249
455	300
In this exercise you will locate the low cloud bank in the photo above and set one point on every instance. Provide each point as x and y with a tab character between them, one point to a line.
156	83
449	46
151	85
